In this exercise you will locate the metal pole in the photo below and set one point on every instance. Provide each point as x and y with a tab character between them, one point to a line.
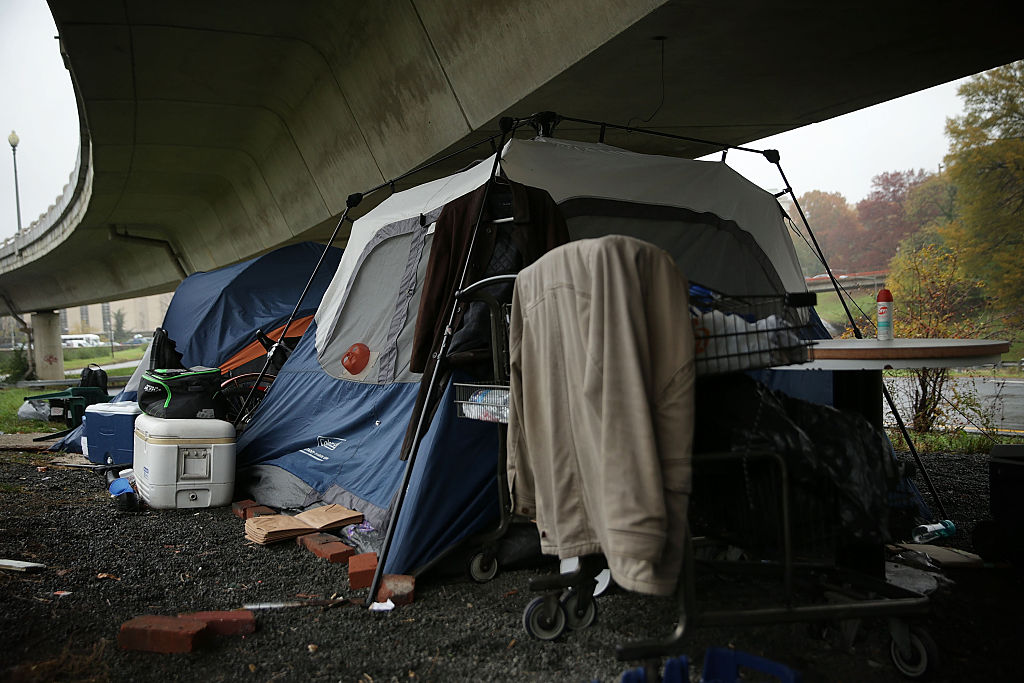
351	202
14	140
507	130
773	157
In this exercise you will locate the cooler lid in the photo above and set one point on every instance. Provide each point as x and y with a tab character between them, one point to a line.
119	408
150	427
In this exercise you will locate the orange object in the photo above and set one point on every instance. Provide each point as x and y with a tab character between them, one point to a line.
255	349
356	358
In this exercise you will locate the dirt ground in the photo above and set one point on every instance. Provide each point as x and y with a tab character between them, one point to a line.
103	567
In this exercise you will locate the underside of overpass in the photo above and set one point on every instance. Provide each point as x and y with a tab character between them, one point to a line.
215	131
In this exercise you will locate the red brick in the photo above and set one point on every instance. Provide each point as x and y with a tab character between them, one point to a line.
154	633
310	541
236	622
399	588
239	507
258	511
335	551
361	569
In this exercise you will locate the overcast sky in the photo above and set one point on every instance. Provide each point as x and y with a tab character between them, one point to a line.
843	154
36	101
840	155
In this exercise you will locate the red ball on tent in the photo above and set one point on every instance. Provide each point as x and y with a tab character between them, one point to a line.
356	358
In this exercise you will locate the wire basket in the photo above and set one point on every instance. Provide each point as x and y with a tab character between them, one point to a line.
485	402
738	501
735	333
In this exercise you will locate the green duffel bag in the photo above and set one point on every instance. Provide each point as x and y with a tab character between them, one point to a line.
182	393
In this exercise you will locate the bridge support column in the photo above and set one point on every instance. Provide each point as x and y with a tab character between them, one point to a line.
47	351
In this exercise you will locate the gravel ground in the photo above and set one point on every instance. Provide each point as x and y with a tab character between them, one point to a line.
104	567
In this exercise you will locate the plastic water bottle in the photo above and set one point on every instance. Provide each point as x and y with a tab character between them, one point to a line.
129	474
884	304
929	532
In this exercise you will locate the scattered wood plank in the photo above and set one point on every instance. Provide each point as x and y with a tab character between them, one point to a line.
21	566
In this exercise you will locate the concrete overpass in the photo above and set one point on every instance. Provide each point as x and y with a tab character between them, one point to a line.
212	132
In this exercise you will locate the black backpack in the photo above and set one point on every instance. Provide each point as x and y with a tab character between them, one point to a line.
94	376
182	393
163	353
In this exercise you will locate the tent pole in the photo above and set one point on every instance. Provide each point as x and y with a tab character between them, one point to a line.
913	451
647	131
508	126
773	156
350	203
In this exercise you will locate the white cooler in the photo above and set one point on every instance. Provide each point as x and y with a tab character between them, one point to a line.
184	463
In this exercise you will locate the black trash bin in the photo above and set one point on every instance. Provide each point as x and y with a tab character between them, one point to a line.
1006	488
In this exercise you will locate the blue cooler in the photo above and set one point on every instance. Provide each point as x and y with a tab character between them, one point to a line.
108	432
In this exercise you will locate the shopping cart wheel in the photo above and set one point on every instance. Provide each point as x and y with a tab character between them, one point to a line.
575	619
921	660
483	567
539	626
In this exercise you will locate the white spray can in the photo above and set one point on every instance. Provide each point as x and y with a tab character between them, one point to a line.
884	304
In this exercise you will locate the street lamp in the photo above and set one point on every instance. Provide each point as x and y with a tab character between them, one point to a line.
14	140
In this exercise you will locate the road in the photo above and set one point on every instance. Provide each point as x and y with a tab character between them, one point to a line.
1001	396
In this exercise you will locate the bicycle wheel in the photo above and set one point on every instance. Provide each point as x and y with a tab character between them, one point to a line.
239	395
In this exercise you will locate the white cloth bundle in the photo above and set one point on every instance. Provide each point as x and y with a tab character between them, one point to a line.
726	342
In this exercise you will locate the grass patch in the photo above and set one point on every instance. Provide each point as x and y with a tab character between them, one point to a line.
10	401
831	310
1015	354
953	441
76	359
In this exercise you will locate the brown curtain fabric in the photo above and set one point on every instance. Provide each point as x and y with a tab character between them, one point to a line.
537	227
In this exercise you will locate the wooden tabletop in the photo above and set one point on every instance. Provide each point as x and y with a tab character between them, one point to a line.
905	349
871	354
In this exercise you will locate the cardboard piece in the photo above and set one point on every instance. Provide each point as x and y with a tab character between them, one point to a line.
272	528
946	557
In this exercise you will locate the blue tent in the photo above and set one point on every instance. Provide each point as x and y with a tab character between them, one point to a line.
317	439
214	315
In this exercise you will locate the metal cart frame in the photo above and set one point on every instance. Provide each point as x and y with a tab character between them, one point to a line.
569	603
860	596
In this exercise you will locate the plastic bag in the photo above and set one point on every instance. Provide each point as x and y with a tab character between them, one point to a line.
489	405
363	537
34	410
838	465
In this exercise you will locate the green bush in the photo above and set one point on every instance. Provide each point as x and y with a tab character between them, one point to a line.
14	364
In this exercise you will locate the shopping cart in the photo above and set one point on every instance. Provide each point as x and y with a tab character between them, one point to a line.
488	402
734	333
773	523
759	510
